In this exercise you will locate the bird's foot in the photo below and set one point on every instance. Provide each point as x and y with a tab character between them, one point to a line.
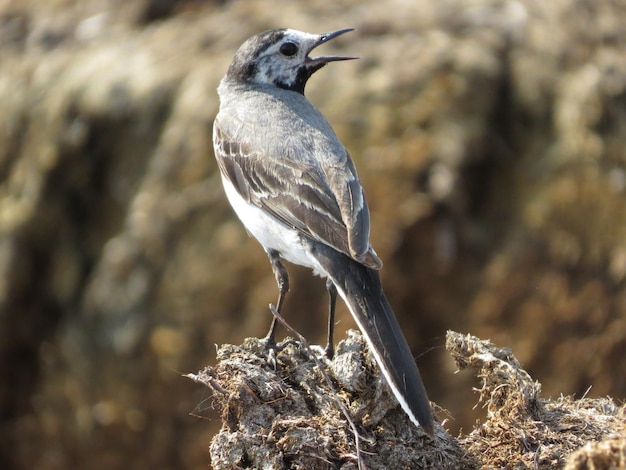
274	348
329	351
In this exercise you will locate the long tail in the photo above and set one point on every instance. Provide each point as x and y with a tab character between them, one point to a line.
361	289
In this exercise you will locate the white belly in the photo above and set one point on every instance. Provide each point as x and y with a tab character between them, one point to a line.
271	234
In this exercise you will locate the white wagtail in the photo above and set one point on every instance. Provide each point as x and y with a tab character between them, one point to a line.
295	188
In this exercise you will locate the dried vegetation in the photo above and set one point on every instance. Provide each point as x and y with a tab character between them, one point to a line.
289	416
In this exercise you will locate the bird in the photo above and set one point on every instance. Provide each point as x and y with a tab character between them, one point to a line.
296	190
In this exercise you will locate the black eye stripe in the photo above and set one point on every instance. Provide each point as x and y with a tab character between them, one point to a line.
289	49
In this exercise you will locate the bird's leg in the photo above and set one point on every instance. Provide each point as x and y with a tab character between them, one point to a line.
282	279
332	295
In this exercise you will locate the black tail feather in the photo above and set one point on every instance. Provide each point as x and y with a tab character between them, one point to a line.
361	289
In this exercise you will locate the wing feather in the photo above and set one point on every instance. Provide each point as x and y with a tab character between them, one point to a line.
325	204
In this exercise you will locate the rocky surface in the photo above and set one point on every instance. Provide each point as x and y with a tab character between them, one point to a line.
489	138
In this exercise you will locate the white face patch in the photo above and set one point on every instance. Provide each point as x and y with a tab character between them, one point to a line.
280	58
283	64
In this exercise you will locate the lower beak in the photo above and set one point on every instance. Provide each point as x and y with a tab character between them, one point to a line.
323	38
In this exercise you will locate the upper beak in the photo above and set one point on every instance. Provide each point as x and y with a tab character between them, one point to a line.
323	38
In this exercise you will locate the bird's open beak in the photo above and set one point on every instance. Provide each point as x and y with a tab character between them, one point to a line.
323	38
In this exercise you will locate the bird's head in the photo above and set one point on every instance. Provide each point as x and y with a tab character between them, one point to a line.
280	57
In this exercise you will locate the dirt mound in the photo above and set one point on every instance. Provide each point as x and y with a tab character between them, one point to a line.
307	412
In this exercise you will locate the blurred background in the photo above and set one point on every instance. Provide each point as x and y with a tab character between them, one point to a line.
490	138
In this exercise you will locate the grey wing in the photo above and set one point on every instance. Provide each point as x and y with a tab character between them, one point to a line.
345	185
315	201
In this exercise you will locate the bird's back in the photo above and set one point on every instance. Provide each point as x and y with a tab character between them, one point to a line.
259	109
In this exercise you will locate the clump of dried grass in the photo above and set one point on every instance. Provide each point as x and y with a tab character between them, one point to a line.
524	430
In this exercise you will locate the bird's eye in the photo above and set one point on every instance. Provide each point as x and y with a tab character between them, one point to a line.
289	49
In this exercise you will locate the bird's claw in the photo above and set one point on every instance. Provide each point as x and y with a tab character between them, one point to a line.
273	348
